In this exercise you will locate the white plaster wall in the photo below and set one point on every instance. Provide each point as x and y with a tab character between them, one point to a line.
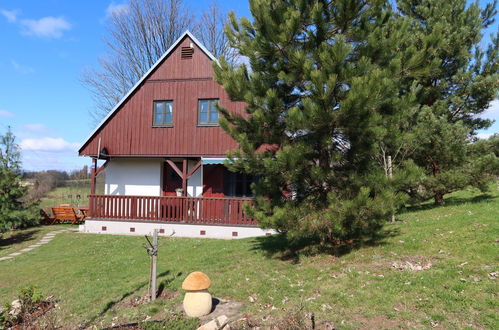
171	229
195	182
140	177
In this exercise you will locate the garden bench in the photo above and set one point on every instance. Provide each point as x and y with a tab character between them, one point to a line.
66	214
46	219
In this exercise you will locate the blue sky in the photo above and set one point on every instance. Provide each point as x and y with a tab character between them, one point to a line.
44	47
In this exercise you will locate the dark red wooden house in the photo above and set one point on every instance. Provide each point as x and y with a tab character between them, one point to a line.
164	154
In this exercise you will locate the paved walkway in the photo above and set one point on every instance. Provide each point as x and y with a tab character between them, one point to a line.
45	239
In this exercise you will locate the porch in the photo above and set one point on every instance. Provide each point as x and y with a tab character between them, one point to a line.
166	209
185	197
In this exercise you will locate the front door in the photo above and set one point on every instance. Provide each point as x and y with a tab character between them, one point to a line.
171	180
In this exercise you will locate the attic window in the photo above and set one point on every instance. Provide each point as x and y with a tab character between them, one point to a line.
186	53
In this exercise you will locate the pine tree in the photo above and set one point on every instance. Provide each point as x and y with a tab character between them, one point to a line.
323	97
453	93
14	211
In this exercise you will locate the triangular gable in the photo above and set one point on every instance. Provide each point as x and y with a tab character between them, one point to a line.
144	77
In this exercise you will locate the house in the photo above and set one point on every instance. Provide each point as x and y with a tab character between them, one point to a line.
164	154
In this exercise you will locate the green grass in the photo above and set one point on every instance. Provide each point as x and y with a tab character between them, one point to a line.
94	275
14	241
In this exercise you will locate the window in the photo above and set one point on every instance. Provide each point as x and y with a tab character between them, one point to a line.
238	184
208	114
163	113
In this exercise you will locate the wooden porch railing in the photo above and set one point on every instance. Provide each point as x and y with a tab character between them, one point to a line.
189	210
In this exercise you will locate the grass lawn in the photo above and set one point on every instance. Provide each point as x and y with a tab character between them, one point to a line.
369	286
17	240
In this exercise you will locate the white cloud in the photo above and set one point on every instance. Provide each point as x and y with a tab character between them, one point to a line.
10	15
6	114
484	136
52	160
35	127
48	27
492	111
22	69
48	144
116	9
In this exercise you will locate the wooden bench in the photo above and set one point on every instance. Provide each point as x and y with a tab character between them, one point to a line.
66	214
46	219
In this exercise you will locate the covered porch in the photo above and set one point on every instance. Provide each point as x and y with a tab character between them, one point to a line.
176	190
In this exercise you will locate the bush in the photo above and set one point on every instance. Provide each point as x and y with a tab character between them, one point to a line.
28	297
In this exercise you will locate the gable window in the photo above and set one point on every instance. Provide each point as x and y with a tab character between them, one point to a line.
208	114
163	113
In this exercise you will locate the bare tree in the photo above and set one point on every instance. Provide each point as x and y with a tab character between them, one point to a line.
210	31
136	39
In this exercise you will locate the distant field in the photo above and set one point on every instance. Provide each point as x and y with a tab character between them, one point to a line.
438	268
70	193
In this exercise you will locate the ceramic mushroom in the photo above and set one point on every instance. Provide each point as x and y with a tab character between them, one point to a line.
197	300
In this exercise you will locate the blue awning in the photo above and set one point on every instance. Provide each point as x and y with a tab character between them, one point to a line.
213	160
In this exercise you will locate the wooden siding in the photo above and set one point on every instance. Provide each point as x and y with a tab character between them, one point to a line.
129	131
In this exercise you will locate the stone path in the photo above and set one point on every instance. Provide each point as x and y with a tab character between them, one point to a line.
45	239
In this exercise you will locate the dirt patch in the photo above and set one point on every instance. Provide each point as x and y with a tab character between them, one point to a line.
139	300
413	264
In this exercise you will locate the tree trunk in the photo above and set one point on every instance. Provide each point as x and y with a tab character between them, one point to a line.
439	198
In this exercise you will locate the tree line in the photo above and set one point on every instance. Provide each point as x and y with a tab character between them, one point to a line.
42	182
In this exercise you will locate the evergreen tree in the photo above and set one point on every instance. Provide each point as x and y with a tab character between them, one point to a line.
452	94
14	211
323	97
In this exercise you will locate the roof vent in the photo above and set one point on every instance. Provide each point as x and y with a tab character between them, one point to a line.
186	53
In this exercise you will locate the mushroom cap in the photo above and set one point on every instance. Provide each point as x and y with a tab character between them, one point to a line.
196	281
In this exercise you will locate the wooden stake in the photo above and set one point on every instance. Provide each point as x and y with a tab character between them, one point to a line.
154	261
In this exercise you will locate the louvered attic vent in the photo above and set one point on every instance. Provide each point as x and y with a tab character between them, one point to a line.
186	53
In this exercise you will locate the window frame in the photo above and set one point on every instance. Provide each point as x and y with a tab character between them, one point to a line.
163	124
208	123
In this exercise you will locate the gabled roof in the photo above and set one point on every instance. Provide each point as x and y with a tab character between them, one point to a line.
145	76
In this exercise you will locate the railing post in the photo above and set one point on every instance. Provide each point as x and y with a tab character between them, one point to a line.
90	206
133	212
